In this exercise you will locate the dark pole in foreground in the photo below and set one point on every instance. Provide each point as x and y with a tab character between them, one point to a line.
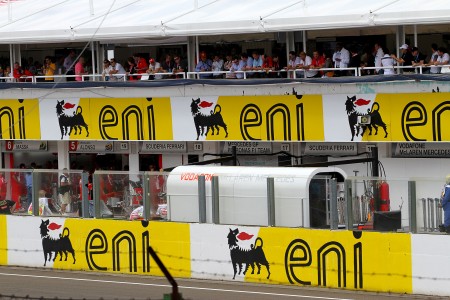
175	294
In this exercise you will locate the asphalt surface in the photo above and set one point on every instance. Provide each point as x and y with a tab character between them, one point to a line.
55	284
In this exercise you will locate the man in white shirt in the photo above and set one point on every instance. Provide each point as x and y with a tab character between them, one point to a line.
443	59
116	71
341	57
305	63
379	54
387	62
434	59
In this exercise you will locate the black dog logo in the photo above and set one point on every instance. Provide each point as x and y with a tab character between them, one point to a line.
211	121
76	121
352	114
249	257
375	120
58	246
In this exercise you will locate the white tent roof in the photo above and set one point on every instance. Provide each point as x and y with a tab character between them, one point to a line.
33	21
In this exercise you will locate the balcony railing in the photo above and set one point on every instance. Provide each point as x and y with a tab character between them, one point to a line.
290	74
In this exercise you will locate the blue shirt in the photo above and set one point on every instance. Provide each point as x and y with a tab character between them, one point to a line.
206	66
28	180
241	66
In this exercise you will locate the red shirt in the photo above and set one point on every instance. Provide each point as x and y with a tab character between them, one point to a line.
319	62
142	65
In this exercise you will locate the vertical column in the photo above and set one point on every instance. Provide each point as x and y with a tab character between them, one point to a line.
334	220
85	195
63	154
215	200
201	199
348	204
191	51
412	209
271	201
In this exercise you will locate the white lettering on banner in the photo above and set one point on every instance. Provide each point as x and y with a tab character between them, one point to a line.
331	149
91	146
11	146
248	147
421	150
167	147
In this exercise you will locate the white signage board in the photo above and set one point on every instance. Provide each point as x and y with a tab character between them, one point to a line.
164	147
332	149
248	147
12	146
415	149
91	146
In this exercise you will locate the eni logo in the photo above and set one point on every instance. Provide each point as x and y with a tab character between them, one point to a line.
299	256
98	247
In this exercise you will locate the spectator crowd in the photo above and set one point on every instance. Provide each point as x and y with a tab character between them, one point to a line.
372	60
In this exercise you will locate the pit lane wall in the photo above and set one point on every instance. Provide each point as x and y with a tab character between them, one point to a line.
372	261
325	117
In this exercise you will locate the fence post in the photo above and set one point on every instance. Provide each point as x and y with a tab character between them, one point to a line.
333	204
412	209
85	195
271	201
34	192
348	204
215	199
96	181
146	196
201	199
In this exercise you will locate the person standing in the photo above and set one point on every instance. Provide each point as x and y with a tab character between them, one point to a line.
341	58
64	190
69	65
445	204
49	69
79	69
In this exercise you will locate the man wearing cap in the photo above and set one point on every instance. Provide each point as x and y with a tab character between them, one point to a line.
154	67
445	204
204	65
406	57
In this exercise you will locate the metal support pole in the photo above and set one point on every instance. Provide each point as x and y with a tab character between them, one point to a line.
333	205
432	213
215	199
438	211
375	174
146	194
34	192
234	154
412	210
349	204
85	195
96	188
201	199
424	213
94	71
271	201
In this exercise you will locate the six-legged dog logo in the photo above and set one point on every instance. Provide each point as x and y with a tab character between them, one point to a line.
58	246
212	121
250	257
67	123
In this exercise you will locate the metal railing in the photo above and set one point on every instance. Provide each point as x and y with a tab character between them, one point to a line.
290	74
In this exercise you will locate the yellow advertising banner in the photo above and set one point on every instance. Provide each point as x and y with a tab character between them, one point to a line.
19	119
130	119
269	118
122	246
339	259
417	117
